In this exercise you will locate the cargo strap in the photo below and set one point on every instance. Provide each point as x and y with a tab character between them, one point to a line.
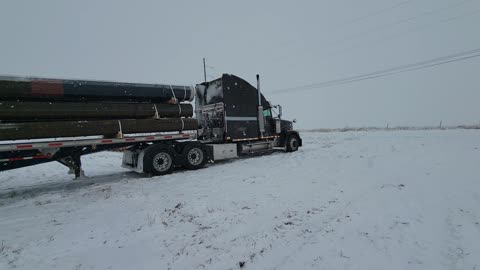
156	116
185	93
179	109
173	94
120	132
183	124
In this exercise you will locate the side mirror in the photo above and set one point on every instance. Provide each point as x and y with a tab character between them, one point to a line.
294	120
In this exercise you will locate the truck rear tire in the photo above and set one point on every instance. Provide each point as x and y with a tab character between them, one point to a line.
194	156
159	160
293	142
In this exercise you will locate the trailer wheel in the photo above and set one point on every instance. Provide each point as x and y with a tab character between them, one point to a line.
159	160
292	143
194	155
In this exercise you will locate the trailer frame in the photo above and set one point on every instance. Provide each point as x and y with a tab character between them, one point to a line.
68	152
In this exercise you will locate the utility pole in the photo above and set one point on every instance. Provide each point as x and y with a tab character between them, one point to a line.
204	70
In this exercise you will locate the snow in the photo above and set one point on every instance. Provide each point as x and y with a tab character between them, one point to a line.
346	200
213	91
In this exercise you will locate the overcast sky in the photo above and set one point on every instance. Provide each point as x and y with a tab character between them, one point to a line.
289	43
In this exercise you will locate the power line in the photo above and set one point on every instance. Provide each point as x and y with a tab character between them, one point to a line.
398	22
375	13
390	71
401	71
411	30
461	16
361	18
413	65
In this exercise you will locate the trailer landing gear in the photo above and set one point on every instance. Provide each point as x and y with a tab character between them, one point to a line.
74	163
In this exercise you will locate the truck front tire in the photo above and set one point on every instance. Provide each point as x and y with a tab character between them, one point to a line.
292	143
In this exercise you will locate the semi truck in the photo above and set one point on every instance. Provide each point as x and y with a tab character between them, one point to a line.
233	120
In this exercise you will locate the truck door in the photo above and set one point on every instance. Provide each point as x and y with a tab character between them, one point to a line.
269	122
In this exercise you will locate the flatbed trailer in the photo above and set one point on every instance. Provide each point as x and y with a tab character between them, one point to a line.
234	120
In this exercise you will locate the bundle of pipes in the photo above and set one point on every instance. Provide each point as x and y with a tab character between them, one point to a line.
14	111
24	88
109	128
33	108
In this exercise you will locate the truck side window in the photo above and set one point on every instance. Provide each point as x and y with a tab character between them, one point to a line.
267	113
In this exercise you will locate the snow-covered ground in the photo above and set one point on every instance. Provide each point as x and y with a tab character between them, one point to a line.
353	200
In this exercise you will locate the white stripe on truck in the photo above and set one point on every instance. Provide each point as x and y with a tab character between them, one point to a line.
240	118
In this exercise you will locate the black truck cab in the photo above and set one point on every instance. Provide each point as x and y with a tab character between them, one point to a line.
229	109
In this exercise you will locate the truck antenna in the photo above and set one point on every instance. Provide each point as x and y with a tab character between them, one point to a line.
261	120
258	90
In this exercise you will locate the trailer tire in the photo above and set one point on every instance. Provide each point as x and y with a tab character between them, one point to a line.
194	156
292	142
159	160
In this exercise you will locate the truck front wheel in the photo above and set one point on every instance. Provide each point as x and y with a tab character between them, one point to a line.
293	142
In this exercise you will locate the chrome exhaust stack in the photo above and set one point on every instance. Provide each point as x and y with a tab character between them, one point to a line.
261	119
